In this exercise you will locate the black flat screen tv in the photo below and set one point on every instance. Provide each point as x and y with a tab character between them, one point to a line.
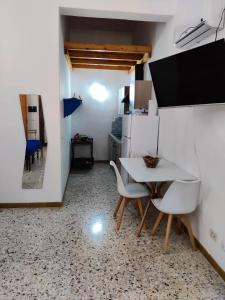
193	77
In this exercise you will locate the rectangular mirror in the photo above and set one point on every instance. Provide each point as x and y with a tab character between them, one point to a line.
36	141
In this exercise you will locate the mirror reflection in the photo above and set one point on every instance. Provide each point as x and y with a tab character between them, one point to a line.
36	141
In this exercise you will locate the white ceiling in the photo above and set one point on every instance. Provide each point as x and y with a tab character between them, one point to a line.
139	10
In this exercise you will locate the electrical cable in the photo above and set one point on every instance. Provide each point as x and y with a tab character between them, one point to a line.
219	23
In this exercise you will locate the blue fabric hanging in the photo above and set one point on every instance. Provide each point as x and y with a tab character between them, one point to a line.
70	105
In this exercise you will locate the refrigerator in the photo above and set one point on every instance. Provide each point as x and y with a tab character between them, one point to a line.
139	137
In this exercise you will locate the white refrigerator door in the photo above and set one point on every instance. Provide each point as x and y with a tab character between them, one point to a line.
144	135
126	126
125	153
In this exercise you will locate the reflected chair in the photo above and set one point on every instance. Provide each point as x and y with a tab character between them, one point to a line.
179	201
32	146
129	192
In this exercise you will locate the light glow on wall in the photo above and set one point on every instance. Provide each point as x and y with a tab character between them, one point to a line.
99	92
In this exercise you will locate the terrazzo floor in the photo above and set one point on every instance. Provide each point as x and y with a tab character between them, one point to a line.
74	253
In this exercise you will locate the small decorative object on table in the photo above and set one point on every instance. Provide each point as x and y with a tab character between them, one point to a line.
150	161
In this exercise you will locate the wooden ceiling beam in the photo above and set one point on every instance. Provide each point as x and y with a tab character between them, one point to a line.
105	55
102	62
107	47
101	67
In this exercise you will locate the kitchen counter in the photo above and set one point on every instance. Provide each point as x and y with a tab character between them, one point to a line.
115	138
115	149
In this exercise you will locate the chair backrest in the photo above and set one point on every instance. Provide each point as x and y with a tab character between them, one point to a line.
120	185
181	197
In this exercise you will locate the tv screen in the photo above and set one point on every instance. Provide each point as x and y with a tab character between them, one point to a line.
193	77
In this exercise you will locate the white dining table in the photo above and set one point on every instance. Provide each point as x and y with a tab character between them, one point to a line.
164	171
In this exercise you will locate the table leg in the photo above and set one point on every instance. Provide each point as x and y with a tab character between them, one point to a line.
158	188
140	210
144	217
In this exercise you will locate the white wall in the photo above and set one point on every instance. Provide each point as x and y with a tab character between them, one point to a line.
94	118
29	60
142	10
65	92
194	139
29	65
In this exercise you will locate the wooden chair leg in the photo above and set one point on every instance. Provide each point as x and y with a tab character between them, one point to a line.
141	212
143	218
122	207
140	208
187	223
178	226
168	229
29	163
134	204
117	206
157	222
127	201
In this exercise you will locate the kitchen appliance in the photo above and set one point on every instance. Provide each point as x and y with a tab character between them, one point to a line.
212	20
114	149
117	127
123	100
139	137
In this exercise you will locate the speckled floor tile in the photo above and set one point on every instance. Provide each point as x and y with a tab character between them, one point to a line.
74	253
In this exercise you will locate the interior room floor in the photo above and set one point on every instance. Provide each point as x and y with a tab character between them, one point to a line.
33	178
74	253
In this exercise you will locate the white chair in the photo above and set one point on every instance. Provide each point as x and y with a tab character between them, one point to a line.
128	192
180	200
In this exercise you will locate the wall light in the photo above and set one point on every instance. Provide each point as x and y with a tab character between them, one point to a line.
99	92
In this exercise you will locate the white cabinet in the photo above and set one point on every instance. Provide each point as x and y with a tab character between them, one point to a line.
140	94
114	150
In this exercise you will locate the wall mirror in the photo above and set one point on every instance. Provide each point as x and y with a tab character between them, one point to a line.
36	141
